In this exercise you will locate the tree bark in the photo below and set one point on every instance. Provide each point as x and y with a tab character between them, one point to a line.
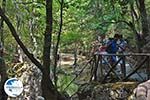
46	82
47	37
49	92
48	89
144	20
138	37
3	74
3	95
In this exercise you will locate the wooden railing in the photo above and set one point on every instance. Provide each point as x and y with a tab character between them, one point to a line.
102	69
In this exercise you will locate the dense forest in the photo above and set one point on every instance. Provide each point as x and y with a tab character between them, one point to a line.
37	32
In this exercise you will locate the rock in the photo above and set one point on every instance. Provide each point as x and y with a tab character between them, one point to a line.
109	91
142	91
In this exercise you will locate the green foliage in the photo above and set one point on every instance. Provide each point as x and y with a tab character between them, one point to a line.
83	20
63	81
71	38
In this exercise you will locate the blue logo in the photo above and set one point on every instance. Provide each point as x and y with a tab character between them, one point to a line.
13	87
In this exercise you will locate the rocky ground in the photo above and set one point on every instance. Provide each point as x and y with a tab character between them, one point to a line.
31	78
110	91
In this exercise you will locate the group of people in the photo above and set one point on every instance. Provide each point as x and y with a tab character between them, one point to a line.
115	45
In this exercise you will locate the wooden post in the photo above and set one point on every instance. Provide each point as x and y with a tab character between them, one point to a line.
123	67
95	68
92	69
148	67
99	68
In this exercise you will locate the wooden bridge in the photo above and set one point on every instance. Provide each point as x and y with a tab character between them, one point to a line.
103	71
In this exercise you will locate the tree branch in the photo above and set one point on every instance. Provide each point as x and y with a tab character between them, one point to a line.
15	35
58	41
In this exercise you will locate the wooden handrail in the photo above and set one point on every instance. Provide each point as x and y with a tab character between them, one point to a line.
125	54
145	59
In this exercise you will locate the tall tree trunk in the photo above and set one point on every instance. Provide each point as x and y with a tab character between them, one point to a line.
2	24
144	20
48	89
3	74
3	95
138	37
46	82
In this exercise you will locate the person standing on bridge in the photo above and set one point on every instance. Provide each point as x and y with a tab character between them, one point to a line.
112	48
122	44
